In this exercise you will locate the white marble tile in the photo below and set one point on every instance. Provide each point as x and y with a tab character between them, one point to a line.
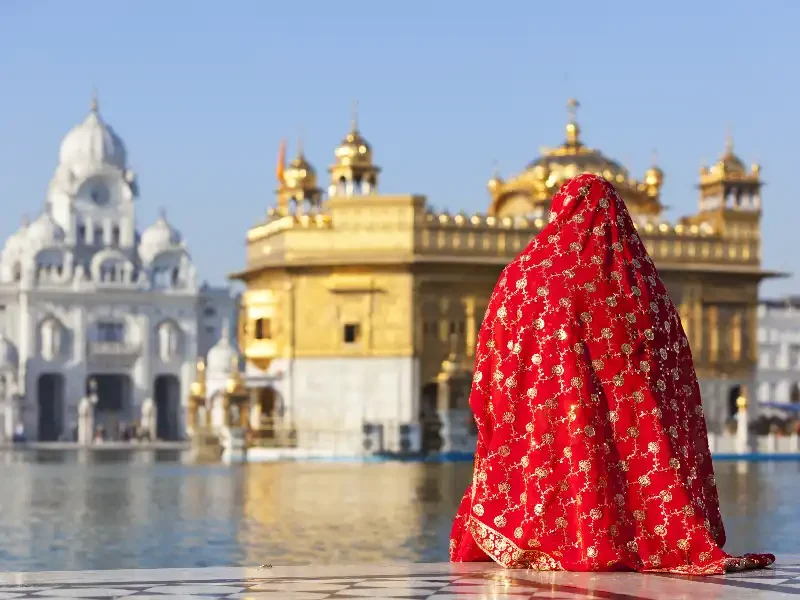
88	592
170	597
9	595
386	593
278	596
401	583
495	596
195	590
299	586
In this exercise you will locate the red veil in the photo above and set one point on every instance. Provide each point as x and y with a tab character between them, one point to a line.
592	447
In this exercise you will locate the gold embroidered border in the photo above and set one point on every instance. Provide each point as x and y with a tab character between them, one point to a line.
506	553
510	556
728	564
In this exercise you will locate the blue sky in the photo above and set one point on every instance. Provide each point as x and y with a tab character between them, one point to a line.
202	92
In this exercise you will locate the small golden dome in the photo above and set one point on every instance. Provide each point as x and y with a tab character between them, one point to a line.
300	173
729	162
354	149
654	176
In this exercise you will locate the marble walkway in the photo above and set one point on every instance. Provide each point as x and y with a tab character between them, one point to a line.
424	581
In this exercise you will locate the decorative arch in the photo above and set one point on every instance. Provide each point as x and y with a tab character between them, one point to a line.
169	339
111	265
165	268
794	393
52	338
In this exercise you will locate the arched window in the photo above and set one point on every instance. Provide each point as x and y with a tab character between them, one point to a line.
51	339
168	341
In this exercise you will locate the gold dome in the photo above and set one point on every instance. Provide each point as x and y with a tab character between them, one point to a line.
300	174
354	149
532	190
729	162
654	177
573	158
729	167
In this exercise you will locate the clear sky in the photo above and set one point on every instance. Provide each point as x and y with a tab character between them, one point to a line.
202	92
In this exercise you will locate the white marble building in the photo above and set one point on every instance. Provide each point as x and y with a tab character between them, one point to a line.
778	373
88	302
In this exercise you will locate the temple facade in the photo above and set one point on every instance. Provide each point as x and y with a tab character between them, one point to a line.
359	322
92	308
779	351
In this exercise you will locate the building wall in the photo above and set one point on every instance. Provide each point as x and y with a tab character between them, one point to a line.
778	372
137	356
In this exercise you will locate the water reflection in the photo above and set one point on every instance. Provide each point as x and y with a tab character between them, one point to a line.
120	510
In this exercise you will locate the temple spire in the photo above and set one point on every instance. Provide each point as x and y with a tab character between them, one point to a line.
572	126
354	117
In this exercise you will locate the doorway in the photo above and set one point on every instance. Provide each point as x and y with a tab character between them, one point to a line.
167	394
113	409
50	399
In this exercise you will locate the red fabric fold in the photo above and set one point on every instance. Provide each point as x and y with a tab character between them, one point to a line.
592	447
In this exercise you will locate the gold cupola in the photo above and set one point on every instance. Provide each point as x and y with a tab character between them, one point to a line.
353	173
729	186
297	186
530	192
654	178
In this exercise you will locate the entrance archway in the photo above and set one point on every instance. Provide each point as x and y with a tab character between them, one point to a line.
50	399
167	395
113	408
733	396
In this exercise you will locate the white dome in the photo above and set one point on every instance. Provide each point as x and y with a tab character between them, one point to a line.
44	232
222	356
8	353
92	142
157	238
16	243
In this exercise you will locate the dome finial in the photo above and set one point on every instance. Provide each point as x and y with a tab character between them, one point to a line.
572	126
654	158
729	140
94	106
354	117
162	213
300	144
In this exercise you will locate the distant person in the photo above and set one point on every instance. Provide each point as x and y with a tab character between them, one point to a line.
19	434
592	447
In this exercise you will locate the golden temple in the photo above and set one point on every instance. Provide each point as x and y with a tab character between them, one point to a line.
360	305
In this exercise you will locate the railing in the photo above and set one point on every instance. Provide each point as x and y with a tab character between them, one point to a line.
120	349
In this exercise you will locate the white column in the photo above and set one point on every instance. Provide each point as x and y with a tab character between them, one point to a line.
742	425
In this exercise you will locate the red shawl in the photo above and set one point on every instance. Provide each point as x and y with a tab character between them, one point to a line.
592	447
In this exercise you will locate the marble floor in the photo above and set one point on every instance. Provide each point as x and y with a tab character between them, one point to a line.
423	581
